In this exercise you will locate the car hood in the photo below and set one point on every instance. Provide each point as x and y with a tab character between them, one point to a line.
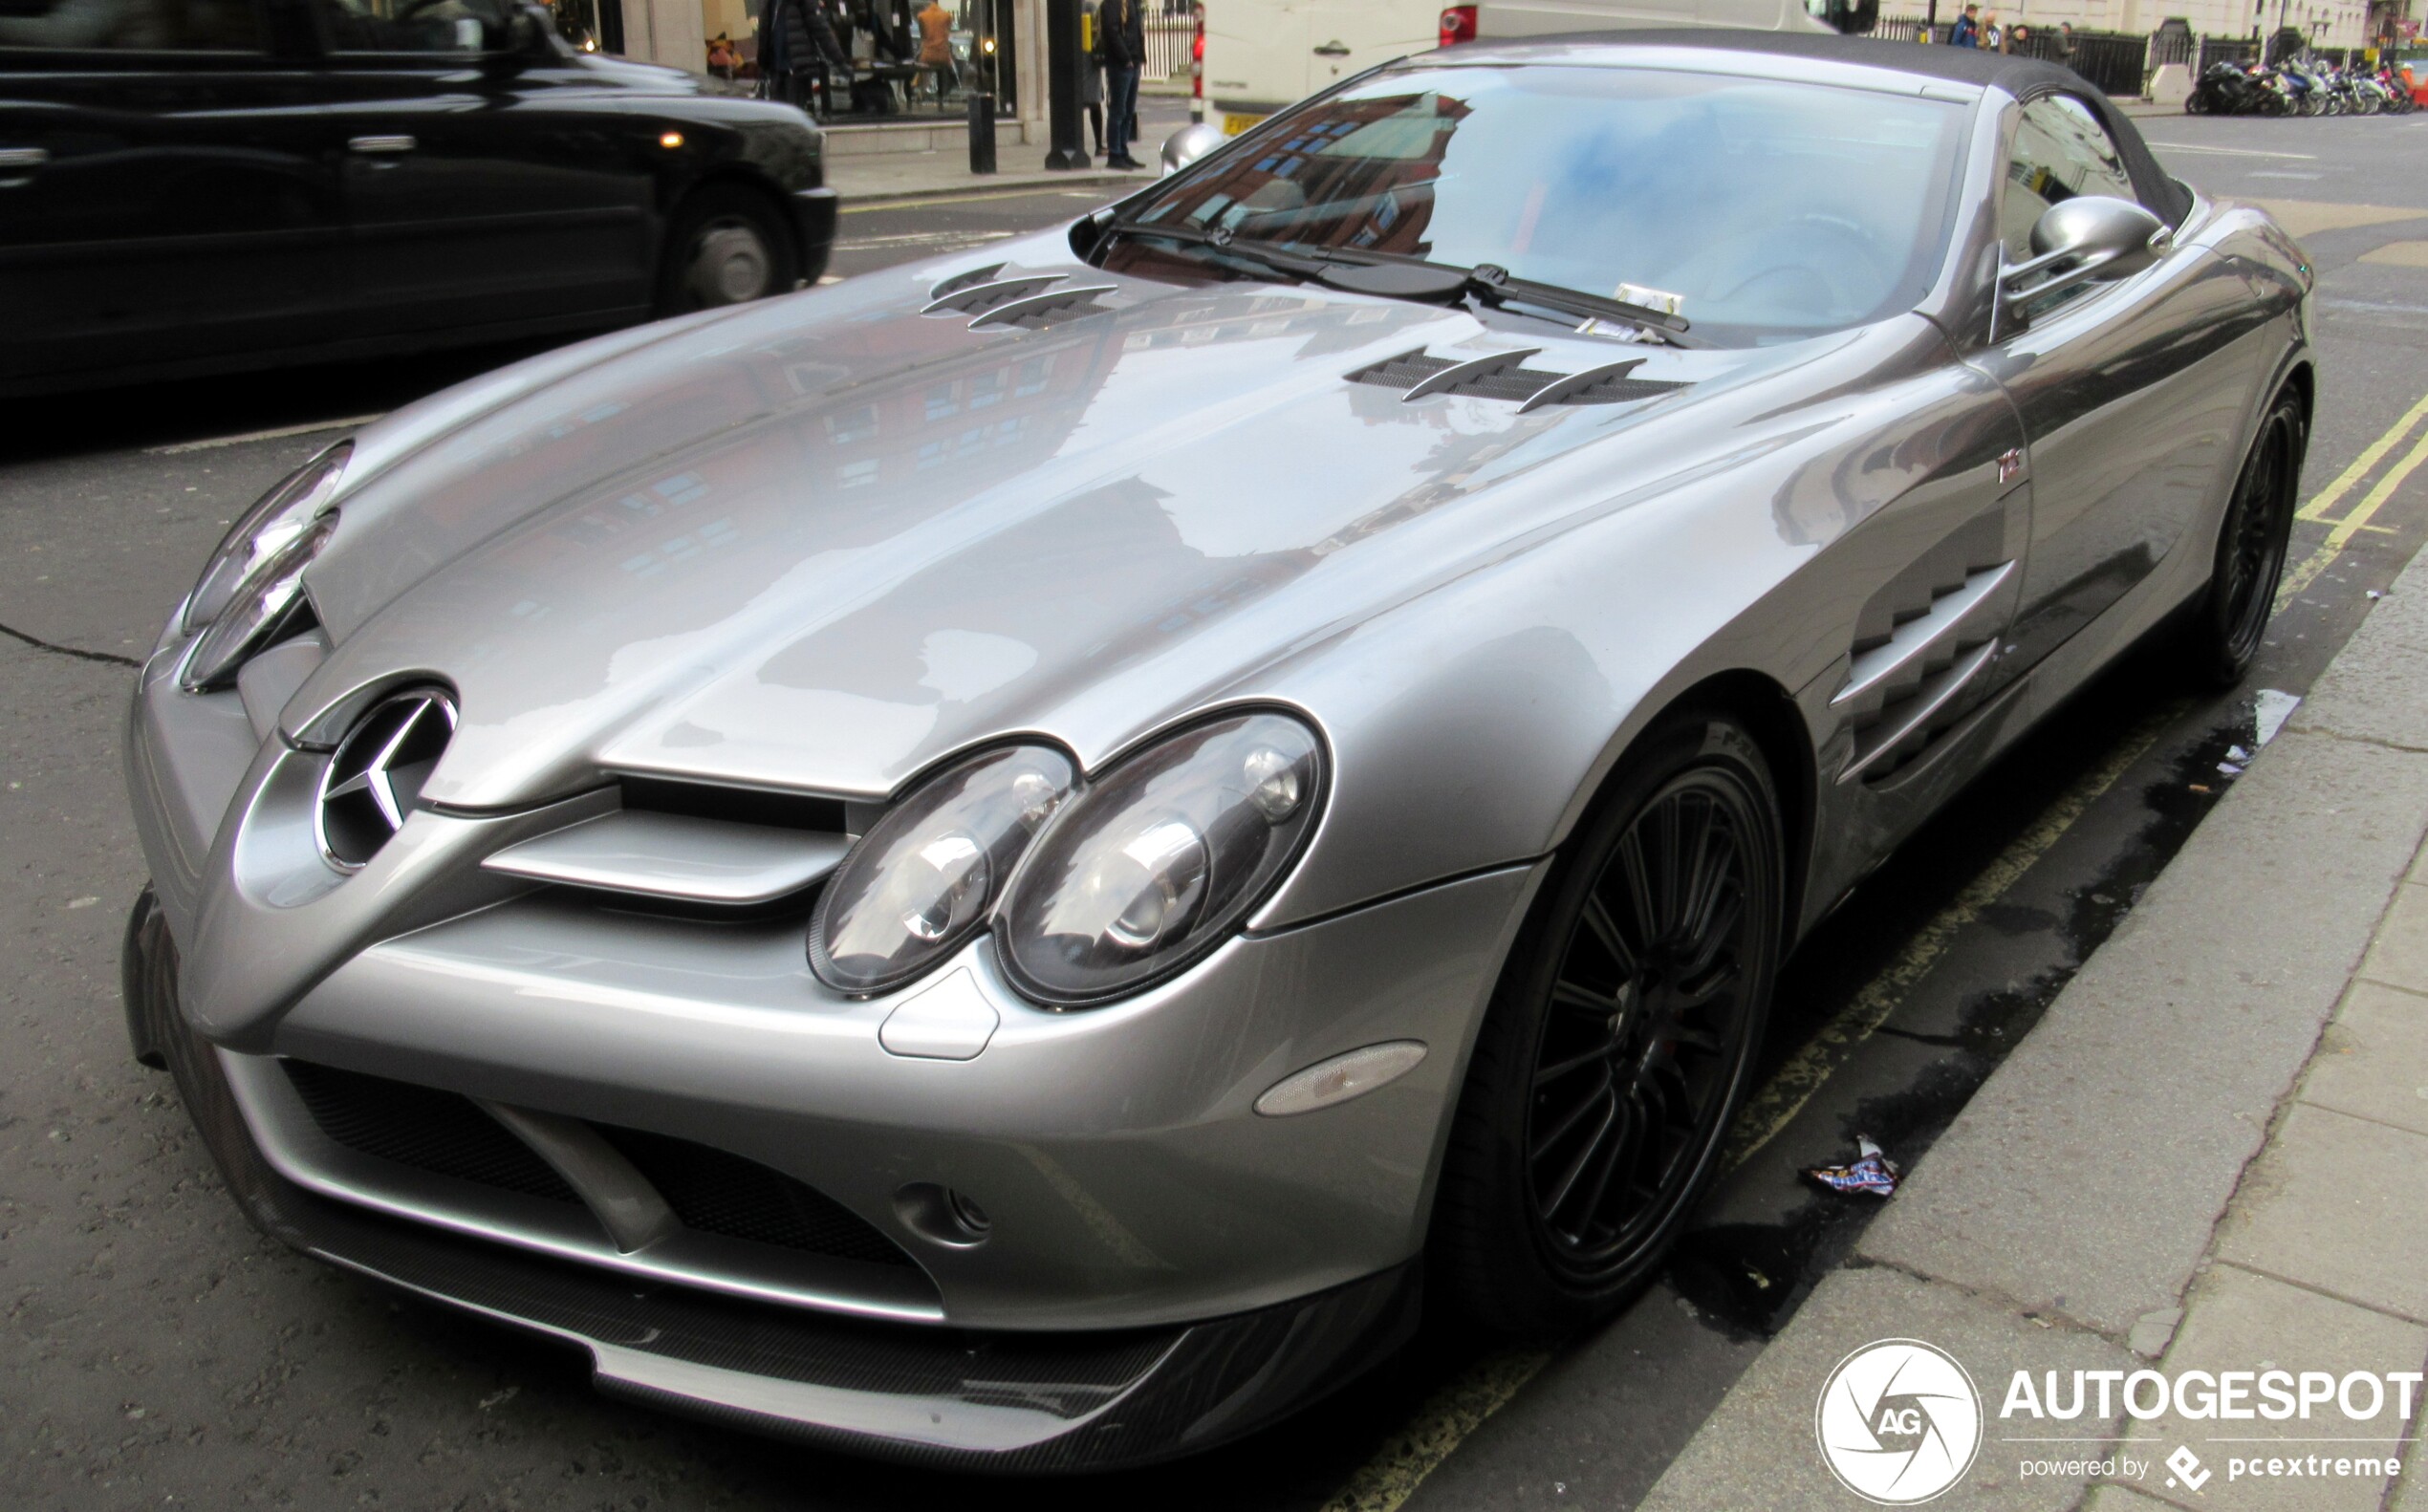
821	542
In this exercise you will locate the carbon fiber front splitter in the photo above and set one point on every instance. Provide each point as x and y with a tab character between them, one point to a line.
934	1396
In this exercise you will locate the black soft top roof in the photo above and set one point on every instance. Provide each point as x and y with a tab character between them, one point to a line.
2023	77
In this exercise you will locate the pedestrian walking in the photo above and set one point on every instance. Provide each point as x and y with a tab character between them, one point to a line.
1968	28
1092	74
1121	43
2066	43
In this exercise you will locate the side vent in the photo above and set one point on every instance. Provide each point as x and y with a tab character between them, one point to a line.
1503	376
1922	645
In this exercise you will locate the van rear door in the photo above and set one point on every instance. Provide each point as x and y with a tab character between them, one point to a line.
1263	54
1344	37
1255	59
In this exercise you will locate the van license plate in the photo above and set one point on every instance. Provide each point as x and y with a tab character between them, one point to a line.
1234	123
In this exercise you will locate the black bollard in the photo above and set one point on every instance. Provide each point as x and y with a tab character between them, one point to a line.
982	132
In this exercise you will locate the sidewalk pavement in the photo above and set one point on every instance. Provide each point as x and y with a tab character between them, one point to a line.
875	178
899	177
2211	1154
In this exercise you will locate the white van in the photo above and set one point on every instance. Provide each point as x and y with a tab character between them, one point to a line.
1262	55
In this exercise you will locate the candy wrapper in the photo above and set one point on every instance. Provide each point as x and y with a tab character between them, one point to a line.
1872	1172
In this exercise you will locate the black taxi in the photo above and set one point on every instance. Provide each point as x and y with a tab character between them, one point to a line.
199	185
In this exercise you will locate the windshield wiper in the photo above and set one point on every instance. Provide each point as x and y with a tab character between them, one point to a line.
1220	240
1494	285
1411	278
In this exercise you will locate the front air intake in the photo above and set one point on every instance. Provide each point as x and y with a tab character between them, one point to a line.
445	1133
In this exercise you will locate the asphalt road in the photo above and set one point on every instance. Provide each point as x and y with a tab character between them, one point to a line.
163	1354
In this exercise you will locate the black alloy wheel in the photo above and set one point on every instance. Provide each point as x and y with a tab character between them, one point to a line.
2231	620
1620	1041
728	246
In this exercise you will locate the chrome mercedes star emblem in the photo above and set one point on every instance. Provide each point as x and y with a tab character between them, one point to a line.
375	774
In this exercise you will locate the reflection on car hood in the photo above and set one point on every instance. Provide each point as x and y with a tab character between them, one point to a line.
821	542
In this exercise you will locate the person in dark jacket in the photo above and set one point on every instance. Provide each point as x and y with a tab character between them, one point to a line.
1121	43
1968	28
806	46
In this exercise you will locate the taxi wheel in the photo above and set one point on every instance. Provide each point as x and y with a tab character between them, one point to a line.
728	246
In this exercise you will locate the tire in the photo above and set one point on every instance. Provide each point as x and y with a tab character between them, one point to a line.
1564	1185
728	246
2226	624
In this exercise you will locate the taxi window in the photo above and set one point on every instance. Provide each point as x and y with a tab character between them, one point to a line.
131	26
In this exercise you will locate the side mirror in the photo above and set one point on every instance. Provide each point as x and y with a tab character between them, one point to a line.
1189	143
2090	238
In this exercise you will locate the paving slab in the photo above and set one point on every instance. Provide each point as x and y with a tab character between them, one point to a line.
2372	1062
2340	1204
1758	1451
2370	691
2238	1320
2400	956
2174	1045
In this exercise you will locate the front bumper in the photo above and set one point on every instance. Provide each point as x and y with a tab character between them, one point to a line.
945	1397
815	213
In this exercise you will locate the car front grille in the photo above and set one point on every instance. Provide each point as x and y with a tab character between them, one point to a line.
711	1191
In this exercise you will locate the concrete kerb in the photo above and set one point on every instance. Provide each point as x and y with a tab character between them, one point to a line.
2077	1198
972	184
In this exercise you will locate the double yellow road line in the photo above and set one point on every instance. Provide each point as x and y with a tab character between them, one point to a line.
2342	530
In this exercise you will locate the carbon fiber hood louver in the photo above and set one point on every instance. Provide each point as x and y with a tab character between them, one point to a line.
1503	376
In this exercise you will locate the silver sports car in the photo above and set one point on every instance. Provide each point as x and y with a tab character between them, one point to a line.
987	864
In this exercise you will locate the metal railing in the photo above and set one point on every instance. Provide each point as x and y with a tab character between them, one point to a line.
2225	50
1168	44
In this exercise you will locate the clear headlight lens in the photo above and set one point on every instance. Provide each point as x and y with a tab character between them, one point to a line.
251	619
268	528
923	877
1156	864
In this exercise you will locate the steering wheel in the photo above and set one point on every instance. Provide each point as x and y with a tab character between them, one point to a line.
1843	278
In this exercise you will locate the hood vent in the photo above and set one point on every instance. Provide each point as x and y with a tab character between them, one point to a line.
1024	301
1503	376
959	296
1053	307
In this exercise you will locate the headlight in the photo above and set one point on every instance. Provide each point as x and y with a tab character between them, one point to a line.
923	877
253	619
266	529
1156	864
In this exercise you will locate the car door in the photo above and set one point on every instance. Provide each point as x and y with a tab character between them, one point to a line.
164	202
487	180
2131	390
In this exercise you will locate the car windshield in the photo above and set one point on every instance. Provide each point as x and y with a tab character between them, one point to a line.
1760	209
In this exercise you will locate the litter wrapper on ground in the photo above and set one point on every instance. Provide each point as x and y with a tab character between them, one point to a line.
1872	1172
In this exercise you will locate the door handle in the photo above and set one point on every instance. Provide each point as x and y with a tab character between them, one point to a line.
1332	49
381	143
24	157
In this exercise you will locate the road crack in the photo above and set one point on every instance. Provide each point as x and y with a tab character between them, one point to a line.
110	657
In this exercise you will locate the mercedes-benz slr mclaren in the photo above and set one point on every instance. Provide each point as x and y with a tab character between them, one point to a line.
1013	862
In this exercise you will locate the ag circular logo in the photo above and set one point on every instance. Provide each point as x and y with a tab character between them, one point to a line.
1898	1421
